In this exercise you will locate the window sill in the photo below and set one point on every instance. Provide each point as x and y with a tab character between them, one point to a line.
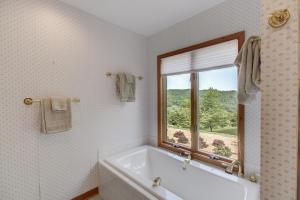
198	156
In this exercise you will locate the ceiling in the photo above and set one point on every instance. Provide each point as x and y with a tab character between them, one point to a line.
145	17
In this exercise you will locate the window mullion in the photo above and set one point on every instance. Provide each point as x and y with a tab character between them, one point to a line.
194	113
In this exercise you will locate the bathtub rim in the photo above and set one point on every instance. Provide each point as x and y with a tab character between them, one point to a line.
213	170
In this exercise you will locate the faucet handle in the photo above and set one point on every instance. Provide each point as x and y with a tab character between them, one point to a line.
237	162
189	156
185	153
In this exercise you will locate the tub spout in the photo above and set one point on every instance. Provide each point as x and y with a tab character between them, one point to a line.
230	167
187	161
156	182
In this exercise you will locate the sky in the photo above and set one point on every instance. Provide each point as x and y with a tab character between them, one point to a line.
221	79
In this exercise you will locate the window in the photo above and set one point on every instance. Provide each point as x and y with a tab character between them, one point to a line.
197	101
179	109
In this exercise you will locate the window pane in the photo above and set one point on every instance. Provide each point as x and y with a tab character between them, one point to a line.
179	109
218	112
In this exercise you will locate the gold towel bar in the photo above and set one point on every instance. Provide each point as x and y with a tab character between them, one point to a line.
30	101
109	74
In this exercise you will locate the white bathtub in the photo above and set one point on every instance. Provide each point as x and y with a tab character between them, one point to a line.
140	166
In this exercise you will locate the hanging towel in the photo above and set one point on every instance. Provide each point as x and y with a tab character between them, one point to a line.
249	61
59	104
53	121
125	86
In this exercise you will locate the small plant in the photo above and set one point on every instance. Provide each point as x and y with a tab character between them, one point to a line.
179	134
202	143
222	151
218	143
183	140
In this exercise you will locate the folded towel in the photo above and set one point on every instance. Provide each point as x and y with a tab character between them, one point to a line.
59	104
248	61
125	85
55	122
130	78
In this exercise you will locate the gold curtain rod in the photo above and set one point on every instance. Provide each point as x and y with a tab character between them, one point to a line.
109	74
30	101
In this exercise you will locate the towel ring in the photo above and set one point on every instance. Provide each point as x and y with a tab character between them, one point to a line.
279	18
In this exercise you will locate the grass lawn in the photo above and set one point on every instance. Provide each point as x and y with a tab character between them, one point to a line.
227	131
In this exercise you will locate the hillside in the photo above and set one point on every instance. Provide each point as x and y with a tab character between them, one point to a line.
178	97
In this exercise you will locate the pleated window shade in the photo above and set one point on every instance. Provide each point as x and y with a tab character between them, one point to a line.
214	56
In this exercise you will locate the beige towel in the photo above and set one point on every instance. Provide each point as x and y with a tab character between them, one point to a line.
59	104
248	61
125	85
55	122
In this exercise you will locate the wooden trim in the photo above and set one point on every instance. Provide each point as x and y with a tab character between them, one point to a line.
194	112
241	135
198	155
241	118
298	160
239	36
159	106
88	194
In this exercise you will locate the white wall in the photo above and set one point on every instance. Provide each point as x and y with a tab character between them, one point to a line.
48	48
226	18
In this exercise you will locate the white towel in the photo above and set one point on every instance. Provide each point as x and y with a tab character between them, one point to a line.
53	121
59	104
248	61
125	86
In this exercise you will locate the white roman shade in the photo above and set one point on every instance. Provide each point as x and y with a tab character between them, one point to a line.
218	55
176	64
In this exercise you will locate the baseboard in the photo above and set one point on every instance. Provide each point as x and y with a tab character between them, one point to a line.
87	194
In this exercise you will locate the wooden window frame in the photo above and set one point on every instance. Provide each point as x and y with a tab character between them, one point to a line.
161	116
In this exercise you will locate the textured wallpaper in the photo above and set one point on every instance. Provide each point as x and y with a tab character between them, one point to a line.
280	77
50	49
226	18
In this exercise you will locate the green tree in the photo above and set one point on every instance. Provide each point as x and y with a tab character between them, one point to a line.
212	112
179	117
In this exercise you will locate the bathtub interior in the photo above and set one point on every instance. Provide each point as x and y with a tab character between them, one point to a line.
138	165
145	164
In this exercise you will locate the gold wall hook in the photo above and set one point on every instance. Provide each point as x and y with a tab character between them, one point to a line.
279	18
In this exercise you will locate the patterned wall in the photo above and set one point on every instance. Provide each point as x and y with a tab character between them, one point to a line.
49	48
280	73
